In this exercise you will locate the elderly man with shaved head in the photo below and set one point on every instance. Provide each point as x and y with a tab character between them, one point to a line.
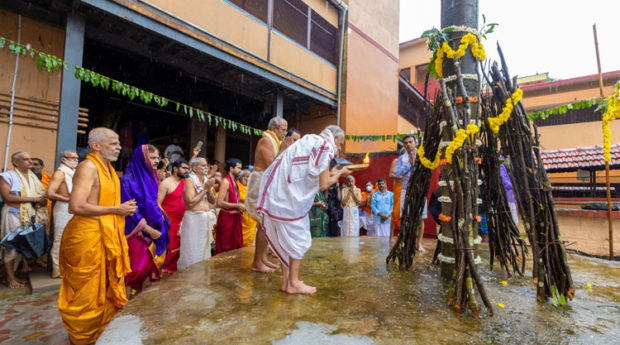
93	251
58	190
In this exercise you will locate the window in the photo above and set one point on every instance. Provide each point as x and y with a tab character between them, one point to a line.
257	8
406	73
324	38
290	17
420	74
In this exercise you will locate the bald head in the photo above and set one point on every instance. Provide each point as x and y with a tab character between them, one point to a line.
104	142
100	135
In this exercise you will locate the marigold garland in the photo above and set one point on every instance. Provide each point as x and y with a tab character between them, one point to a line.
613	111
500	119
444	218
477	50
425	161
459	139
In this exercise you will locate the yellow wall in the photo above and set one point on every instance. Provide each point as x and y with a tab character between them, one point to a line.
325	10
582	134
377	19
222	20
403	126
414	54
551	100
291	57
32	87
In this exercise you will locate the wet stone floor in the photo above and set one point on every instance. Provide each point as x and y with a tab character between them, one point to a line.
361	301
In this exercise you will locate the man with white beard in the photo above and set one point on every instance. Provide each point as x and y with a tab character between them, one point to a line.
198	221
59	190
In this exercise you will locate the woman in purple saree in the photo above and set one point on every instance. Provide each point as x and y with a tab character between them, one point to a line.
147	229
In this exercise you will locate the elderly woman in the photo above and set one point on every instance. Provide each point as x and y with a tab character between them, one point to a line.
351	200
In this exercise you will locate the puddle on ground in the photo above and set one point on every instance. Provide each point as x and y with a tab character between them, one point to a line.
361	301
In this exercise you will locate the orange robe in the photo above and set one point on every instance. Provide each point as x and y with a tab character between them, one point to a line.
248	225
93	263
396	209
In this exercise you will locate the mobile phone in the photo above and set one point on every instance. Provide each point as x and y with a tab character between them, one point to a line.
199	145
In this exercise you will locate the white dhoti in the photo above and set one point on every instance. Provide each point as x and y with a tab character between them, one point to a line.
251	197
287	193
61	218
382	229
288	239
369	224
196	234
513	212
402	204
10	222
350	221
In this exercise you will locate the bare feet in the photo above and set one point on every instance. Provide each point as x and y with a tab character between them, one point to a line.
421	249
269	264
262	268
284	286
15	284
300	288
25	267
40	263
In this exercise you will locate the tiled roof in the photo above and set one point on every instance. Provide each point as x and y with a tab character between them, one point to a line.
587	158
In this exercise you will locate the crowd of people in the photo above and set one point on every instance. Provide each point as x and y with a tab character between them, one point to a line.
166	213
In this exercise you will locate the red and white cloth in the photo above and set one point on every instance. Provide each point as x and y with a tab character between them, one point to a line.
287	192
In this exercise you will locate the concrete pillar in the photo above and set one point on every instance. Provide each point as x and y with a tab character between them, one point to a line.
278	104
70	87
220	146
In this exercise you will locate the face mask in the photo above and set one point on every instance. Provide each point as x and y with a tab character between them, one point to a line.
71	164
368	188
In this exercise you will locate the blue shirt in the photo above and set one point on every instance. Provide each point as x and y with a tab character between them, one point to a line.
403	169
382	203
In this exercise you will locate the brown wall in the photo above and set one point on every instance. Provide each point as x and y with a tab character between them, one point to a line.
39	91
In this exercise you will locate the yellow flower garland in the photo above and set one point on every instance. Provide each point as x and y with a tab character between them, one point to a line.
613	111
459	139
500	119
425	161
477	50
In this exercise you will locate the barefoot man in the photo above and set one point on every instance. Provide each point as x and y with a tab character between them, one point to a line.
402	171
24	197
59	190
170	197
196	228
93	251
267	149
287	193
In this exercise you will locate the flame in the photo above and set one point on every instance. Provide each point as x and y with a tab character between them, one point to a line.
366	159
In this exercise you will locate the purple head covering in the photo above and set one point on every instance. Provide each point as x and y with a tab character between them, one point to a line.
140	182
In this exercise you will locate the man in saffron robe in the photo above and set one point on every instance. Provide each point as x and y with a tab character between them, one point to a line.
228	231
287	193
170	197
147	229
249	224
93	255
